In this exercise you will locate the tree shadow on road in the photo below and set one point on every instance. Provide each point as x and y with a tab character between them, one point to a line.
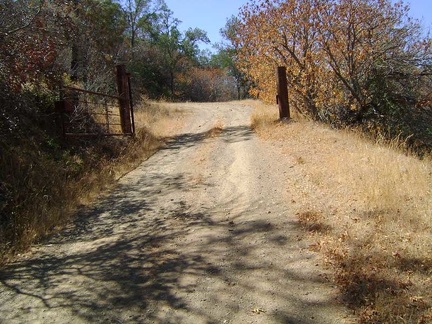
116	259
127	258
230	134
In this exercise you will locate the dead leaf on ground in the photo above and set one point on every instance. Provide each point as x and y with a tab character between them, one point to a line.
258	311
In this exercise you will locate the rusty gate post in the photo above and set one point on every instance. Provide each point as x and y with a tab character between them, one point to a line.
282	96
128	75
124	100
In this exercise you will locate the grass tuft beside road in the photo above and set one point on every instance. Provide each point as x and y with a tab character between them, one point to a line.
368	208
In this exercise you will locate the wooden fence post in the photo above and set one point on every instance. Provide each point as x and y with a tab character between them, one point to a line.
124	101
282	96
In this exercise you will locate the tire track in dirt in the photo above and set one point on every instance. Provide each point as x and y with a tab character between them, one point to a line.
200	233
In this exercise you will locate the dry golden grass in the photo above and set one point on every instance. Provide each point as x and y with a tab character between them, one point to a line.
263	116
162	119
369	208
216	130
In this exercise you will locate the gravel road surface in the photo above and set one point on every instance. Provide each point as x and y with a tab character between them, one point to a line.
202	232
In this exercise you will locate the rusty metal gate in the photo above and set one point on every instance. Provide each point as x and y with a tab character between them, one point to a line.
90	113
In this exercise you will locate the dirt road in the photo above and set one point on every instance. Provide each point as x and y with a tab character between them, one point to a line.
202	232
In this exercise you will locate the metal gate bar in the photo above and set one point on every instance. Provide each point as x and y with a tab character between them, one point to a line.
91	113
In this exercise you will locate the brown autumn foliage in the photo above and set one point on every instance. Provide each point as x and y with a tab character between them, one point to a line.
348	61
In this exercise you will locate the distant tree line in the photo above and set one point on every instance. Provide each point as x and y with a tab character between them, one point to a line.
363	62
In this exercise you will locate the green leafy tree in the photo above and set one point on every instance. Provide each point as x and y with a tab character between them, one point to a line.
227	57
178	51
134	11
102	28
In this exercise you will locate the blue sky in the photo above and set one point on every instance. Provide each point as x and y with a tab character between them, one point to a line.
211	15
422	9
208	15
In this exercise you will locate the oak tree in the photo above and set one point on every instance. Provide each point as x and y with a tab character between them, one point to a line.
346	60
